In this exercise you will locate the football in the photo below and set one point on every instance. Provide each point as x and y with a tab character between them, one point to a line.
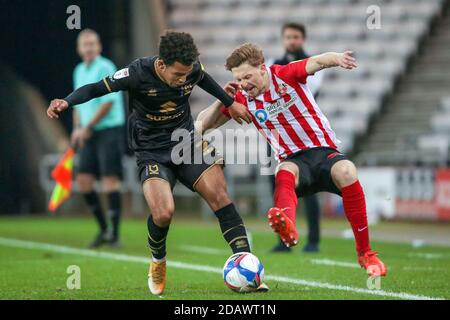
243	272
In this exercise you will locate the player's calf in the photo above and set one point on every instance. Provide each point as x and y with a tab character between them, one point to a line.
233	229
212	187
157	239
344	175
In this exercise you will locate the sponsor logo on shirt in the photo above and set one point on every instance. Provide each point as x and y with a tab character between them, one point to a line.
279	106
169	106
261	115
272	110
163	118
152	92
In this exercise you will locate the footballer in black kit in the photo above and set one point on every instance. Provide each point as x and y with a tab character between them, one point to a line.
159	88
159	109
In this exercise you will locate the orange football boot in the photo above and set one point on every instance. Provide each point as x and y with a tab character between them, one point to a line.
157	277
374	266
283	225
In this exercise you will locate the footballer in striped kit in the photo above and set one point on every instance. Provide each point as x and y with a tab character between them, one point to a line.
285	113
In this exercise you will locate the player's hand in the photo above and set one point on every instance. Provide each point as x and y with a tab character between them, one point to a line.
239	112
56	106
231	88
346	60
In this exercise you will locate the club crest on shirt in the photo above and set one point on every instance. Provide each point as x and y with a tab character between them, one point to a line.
186	89
282	89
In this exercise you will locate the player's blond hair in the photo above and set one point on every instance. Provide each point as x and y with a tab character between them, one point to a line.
247	53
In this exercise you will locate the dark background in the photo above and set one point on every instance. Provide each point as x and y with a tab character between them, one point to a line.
38	47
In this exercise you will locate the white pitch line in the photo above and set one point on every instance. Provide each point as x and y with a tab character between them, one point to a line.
428	256
188	266
329	262
204	250
325	262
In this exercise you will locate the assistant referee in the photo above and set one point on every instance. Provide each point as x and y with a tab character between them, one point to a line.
98	135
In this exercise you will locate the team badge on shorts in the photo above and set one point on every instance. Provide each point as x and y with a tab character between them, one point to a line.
152	169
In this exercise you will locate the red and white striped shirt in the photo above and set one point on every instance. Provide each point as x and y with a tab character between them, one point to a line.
287	114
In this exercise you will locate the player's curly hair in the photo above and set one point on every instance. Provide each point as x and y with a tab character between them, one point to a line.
247	53
178	47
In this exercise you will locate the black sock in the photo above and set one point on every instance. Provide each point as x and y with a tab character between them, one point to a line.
233	229
94	204
114	212
157	238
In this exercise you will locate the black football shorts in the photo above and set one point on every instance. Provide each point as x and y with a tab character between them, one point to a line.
159	164
315	170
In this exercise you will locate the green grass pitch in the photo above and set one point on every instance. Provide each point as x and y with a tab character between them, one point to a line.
197	252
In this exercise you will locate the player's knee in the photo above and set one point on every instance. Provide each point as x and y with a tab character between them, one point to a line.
162	215
290	167
344	173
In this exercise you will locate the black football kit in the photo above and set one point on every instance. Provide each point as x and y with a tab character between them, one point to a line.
157	110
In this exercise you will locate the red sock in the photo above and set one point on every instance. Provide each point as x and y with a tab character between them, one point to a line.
284	196
355	211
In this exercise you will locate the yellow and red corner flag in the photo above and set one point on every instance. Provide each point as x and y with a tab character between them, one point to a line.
62	174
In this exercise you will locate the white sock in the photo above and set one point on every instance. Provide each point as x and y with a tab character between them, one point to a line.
158	260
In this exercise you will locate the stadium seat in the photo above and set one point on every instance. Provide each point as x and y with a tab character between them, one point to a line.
436	146
440	122
349	98
445	104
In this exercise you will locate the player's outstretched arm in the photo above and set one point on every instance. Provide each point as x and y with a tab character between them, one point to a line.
330	59
211	118
81	95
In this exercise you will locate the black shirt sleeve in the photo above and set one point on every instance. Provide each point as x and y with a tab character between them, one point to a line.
87	92
123	79
212	87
